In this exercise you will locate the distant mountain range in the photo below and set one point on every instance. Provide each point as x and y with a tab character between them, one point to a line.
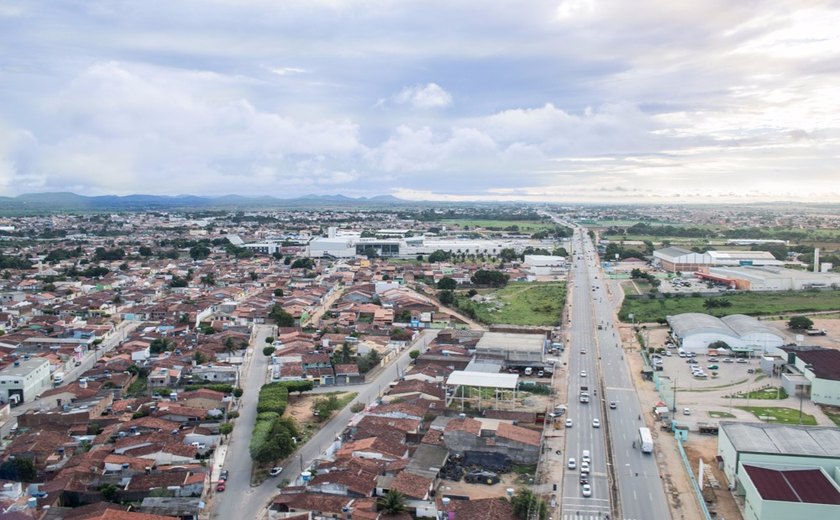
64	201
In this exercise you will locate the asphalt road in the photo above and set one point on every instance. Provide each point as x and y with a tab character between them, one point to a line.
240	500
640	491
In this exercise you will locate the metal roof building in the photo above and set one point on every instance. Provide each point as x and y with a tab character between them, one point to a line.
695	331
753	332
780	449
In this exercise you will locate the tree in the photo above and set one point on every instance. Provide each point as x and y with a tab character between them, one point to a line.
269	339
281	317
393	503
446	297
508	254
491	278
800	323
237	393
18	469
525	502
303	263
414	354
373	357
448	284
345	353
208	279
145	251
278	293
439	256
269	350
226	428
160	345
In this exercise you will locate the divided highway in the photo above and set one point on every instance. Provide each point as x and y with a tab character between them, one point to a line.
594	344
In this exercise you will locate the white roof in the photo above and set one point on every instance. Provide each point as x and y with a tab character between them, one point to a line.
482	379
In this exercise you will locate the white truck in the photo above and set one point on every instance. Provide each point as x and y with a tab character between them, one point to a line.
645	440
58	378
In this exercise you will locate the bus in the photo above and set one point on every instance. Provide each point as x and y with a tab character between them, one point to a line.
645	440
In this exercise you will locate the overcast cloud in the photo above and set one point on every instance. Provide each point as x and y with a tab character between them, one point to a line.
570	100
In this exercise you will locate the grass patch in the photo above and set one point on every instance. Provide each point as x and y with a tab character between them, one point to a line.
137	388
720	415
832	413
776	392
521	303
780	415
754	304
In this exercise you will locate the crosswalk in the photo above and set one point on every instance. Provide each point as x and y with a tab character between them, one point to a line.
590	516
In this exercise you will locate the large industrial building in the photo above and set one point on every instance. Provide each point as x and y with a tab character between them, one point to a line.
514	350
782	471
694	332
813	371
770	278
677	259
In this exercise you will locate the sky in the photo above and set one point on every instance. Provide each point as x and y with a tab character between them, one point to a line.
569	100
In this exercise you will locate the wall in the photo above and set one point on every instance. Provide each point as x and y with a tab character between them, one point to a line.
825	391
460	441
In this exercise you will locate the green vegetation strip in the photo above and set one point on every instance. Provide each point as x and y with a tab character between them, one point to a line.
765	393
500	225
833	414
780	415
755	304
520	303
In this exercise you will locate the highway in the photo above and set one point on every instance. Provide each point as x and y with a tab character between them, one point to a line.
593	328
240	500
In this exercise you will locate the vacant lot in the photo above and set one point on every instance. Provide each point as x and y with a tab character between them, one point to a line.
521	303
754	304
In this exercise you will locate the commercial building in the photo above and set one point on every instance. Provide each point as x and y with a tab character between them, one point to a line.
694	332
546	265
770	278
24	379
815	372
782	471
515	350
677	259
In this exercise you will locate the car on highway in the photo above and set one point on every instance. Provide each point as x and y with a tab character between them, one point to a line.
596	423
585	457
584	478
582	351
584	467
276	470
583	373
586	490
569	422
572	463
613	405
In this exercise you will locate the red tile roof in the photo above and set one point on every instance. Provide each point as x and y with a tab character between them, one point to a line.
800	485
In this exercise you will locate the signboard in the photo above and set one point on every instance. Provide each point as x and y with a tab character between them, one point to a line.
745	262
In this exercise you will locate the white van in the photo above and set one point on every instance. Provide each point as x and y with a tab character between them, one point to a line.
586	457
529	371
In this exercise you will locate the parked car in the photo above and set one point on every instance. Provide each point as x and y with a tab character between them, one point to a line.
728	360
569	422
686	411
223	475
220	486
742	360
750	371
482	477
276	470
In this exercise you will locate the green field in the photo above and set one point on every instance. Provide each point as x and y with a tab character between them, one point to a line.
525	226
765	393
521	303
754	304
779	415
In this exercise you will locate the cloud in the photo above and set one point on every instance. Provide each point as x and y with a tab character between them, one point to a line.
424	97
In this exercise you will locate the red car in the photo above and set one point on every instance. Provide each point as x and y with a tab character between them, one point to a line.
220	487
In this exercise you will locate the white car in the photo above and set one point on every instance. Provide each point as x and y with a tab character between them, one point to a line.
686	411
275	471
569	422
586	489
584	467
596	423
583	373
572	463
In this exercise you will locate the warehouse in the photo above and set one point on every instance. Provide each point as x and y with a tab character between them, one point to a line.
820	367
754	333
782	471
515	350
694	332
770	278
677	259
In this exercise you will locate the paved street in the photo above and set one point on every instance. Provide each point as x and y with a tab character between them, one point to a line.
240	500
593	328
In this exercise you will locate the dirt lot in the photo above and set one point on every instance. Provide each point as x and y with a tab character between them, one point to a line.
830	340
300	409
477	491
718	499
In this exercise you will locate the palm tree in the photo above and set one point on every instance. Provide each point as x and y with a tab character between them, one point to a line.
392	503
230	346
